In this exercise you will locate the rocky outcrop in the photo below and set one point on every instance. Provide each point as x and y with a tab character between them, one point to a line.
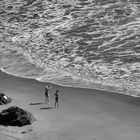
15	116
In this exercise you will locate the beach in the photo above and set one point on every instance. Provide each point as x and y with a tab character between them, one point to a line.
84	114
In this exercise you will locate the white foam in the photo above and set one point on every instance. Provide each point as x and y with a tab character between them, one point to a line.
62	85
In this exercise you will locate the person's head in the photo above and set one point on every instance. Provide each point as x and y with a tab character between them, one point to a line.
48	86
56	91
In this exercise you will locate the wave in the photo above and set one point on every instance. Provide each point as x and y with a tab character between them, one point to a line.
63	85
92	44
17	65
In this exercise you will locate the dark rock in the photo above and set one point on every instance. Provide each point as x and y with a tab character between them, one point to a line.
15	116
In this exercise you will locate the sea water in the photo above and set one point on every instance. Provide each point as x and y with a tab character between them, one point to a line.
83	43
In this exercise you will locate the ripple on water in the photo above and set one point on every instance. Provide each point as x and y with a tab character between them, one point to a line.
95	41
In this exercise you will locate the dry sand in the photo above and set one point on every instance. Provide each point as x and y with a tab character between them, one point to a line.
84	114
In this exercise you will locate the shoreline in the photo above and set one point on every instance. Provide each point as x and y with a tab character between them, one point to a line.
83	113
36	79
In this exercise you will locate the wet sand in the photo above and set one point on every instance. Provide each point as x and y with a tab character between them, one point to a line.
84	114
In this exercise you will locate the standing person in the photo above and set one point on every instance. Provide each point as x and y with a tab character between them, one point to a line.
47	88
56	99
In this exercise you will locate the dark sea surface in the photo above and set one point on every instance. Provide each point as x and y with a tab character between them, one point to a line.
83	43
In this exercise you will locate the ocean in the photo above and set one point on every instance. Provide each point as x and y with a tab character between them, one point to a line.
81	43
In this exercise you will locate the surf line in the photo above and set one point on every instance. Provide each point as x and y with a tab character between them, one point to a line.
62	85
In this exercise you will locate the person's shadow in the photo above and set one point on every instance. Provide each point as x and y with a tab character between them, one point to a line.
36	103
41	104
47	108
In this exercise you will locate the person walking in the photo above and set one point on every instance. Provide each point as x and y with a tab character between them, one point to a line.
47	88
56	99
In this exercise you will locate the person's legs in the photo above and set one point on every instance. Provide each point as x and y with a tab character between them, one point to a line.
56	104
46	100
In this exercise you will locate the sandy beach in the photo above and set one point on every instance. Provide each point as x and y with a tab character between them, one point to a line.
84	114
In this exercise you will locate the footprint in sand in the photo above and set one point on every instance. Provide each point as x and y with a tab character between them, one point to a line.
24	132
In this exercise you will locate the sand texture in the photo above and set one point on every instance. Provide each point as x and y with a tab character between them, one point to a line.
84	114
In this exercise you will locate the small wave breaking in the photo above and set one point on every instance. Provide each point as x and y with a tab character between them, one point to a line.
79	43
